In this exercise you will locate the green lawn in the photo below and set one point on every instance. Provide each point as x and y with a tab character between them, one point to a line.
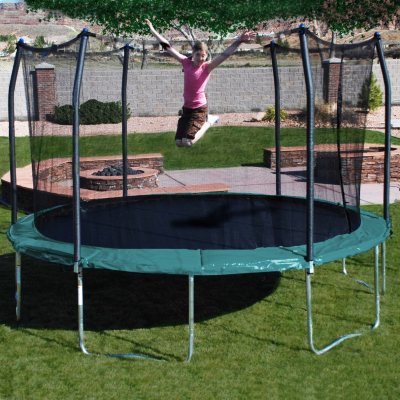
250	339
221	147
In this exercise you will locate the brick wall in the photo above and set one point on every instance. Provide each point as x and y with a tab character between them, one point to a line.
159	92
44	90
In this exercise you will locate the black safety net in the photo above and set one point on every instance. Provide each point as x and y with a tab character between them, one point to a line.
235	159
341	75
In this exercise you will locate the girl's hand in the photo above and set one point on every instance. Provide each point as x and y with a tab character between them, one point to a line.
149	24
248	36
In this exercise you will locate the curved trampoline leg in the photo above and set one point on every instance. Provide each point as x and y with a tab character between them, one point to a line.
131	355
18	287
309	273
191	318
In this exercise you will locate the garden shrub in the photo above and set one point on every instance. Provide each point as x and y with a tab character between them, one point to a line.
325	114
270	114
371	95
7	37
40	42
10	46
91	112
63	114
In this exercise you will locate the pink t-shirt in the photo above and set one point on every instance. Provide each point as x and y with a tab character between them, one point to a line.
195	81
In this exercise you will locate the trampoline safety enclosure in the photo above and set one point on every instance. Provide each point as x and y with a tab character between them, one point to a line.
296	222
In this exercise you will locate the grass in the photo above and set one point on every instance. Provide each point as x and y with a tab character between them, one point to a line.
221	147
250	339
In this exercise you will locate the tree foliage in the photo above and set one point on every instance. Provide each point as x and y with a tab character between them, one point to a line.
347	15
122	17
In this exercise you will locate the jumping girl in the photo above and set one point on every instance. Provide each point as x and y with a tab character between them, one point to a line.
196	74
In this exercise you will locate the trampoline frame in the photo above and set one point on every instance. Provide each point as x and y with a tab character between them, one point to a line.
309	271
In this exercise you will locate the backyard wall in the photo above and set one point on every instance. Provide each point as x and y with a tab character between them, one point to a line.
159	92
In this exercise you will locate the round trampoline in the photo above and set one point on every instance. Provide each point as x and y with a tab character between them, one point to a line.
301	220
203	234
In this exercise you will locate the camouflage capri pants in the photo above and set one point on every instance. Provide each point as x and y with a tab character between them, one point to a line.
191	121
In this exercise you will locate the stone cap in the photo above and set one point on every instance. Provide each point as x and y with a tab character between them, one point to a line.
44	65
332	60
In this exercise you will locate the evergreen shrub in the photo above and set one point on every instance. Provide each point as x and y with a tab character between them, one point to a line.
91	112
371	95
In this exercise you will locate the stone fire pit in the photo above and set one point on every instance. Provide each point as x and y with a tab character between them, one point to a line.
110	178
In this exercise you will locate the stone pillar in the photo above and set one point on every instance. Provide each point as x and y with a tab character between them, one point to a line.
331	68
45	90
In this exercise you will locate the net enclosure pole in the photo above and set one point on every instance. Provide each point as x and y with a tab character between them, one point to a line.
388	126
13	172
11	132
76	183
125	122
277	90
388	107
75	148
310	141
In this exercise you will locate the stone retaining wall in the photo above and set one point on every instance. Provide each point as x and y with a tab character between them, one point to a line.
372	161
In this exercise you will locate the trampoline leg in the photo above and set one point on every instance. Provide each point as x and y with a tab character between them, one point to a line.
376	289
80	312
344	270
309	273
82	331
191	318
18	289
383	267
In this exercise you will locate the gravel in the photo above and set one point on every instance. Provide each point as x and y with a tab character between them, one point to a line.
375	120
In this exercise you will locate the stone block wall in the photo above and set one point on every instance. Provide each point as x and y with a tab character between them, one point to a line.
159	91
20	100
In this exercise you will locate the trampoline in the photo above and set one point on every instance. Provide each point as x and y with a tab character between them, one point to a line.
203	234
214	234
288	226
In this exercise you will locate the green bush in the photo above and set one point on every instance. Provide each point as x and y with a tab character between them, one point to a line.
283	42
371	95
63	114
10	47
6	38
325	114
91	112
39	42
270	114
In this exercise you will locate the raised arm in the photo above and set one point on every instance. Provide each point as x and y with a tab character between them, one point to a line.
164	42
244	37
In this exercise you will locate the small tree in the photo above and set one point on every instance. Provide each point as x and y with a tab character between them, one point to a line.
39	42
371	95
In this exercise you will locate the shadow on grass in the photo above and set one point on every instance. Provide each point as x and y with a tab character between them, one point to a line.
121	300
